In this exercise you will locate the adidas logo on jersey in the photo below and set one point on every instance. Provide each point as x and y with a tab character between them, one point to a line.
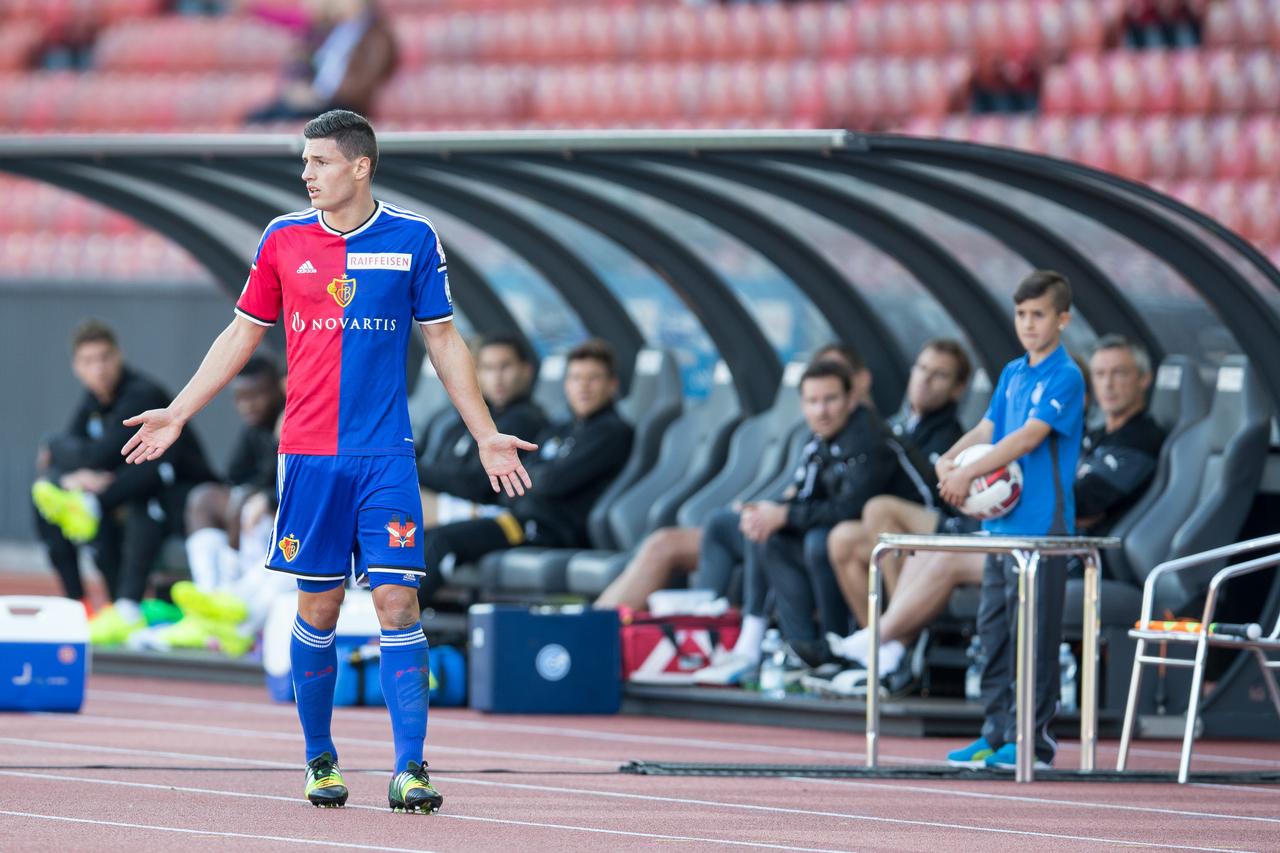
306	267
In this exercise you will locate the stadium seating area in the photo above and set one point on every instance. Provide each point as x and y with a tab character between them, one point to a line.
1199	120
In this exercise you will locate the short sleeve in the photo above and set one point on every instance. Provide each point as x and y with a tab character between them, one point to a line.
259	302
1060	403
999	402
432	301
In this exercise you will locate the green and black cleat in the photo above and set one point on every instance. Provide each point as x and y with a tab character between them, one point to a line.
411	791
325	785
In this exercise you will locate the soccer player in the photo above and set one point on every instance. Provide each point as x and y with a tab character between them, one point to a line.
348	276
1036	417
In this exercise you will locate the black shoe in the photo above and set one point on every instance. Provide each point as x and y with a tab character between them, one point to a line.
411	790
325	786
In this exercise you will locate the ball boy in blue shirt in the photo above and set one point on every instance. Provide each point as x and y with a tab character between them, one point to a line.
1036	417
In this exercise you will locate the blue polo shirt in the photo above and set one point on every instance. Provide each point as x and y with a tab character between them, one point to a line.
1053	392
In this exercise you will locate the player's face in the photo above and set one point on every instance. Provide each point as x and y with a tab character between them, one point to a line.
825	404
933	381
97	365
1039	324
588	386
1118	385
330	177
501	373
257	400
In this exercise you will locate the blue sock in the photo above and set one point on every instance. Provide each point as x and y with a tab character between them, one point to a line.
315	673
405	685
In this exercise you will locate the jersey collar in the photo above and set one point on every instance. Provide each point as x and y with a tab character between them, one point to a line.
377	210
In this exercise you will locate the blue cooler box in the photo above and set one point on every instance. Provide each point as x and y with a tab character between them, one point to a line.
44	653
544	661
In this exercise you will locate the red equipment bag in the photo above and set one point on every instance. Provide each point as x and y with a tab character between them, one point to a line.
670	649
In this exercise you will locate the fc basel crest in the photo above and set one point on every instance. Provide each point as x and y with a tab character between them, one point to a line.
401	535
289	546
343	290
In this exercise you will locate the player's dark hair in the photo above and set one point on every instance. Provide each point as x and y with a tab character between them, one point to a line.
840	352
260	366
594	349
822	369
1139	353
92	332
1039	283
351	131
951	347
514	342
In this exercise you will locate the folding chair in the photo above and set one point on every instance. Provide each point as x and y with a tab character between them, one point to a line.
1203	638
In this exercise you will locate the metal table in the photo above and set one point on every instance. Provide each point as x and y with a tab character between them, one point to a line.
1026	552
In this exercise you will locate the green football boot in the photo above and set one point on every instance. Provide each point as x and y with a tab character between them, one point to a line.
70	510
411	791
325	785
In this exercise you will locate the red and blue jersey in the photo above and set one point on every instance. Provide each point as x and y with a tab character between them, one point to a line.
348	302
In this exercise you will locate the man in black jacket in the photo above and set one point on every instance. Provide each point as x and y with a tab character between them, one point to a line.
575	461
85	494
214	510
928	425
848	460
450	469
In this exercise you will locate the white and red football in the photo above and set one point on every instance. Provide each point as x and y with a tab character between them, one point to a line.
991	495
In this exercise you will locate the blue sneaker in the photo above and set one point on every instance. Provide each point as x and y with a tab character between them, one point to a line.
1006	758
973	755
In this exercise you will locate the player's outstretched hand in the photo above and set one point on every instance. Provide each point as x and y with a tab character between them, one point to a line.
501	462
160	429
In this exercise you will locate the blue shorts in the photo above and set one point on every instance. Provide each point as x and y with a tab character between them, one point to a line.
344	515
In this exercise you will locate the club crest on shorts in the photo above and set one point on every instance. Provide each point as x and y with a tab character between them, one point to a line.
289	546
401	535
342	289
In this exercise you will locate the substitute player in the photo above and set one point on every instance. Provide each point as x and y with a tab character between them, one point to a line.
348	276
1036	416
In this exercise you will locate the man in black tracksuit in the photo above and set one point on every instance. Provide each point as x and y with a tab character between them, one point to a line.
853	460
451	465
85	494
574	463
1118	459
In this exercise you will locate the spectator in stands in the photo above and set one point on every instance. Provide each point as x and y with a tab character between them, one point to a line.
575	461
671	551
214	509
928	423
85	494
351	53
1117	464
453	480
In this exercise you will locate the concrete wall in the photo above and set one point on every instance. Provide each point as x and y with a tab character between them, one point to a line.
163	332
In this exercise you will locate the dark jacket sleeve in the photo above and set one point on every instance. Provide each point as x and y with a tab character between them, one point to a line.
600	451
242	468
103	453
461	476
1112	475
866	475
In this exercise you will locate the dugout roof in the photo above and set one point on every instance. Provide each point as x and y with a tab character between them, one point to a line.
753	247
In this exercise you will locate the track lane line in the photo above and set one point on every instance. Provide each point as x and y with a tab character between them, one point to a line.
455	780
592	734
372	744
362	806
341	845
1049	801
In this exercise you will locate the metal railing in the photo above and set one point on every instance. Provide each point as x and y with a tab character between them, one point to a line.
1026	552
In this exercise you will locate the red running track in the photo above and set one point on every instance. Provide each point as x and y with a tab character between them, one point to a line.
218	767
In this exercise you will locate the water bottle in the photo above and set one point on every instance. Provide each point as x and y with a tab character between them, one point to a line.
773	665
1067	671
973	675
